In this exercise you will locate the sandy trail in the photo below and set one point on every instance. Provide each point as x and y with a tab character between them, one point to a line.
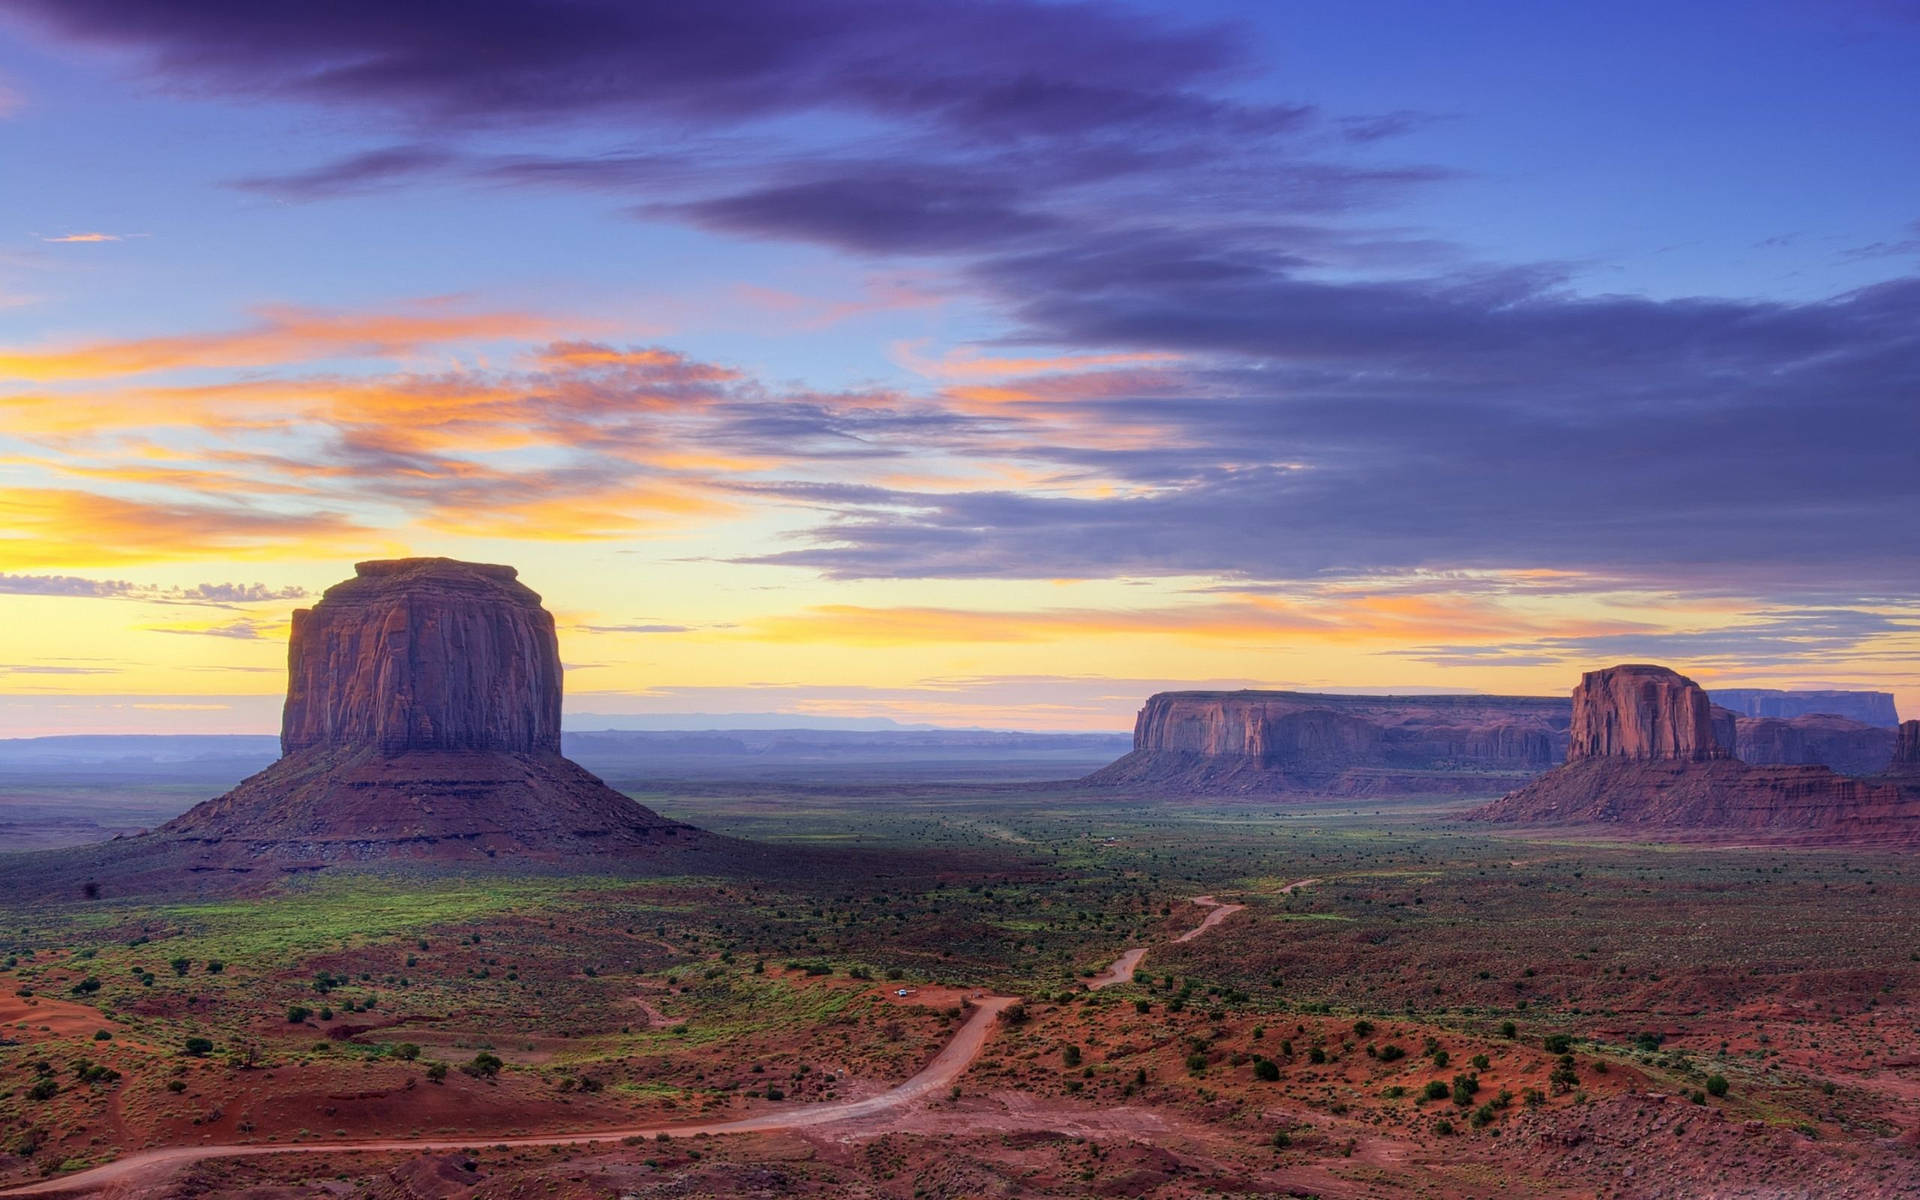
1123	968
946	1067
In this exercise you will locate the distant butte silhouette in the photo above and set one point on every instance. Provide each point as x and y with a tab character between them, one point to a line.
422	721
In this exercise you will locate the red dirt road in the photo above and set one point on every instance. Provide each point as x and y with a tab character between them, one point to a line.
946	1067
1123	968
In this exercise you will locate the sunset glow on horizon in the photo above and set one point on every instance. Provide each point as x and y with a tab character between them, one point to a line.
804	364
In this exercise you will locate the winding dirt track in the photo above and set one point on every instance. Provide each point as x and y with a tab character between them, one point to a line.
946	1067
1123	968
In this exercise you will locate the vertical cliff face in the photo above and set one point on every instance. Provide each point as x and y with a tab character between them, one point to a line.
1650	750
422	722
1849	747
424	654
1906	750
1637	711
1247	742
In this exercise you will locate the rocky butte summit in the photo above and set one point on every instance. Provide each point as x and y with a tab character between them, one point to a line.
1649	749
422	721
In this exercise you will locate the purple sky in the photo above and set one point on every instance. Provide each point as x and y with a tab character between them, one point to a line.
1592	329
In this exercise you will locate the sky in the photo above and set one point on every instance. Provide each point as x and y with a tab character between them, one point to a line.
973	363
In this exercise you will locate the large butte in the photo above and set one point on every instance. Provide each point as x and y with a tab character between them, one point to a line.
422	722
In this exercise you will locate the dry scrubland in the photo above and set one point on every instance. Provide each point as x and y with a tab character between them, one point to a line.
1443	1013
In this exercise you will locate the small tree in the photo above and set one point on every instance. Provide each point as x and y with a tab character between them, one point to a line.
1716	1085
1266	1070
484	1065
199	1047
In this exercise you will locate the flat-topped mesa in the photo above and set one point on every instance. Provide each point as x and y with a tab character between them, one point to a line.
1637	711
1220	743
424	654
1868	708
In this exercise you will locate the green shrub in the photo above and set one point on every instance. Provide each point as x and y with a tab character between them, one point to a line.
199	1046
1435	1090
1716	1085
1266	1070
484	1065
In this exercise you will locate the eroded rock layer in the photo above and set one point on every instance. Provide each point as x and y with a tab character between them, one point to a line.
1648	750
1805	804
1847	746
424	654
1906	749
1646	712
422	721
1226	742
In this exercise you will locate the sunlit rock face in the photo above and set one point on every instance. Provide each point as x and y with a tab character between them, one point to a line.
424	654
1650	750
1255	741
422	722
1647	712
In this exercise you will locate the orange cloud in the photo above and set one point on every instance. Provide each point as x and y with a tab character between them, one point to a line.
1384	620
84	238
42	527
283	335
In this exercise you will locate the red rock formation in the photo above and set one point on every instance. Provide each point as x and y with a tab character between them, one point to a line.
1647	750
1847	746
1646	712
424	654
1906	750
1248	742
422	721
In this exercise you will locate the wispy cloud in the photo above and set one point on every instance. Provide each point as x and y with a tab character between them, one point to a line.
215	594
85	238
281	335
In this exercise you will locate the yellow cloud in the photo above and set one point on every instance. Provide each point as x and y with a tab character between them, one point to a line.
42	527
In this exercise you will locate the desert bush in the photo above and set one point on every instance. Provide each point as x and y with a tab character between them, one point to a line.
484	1066
1716	1085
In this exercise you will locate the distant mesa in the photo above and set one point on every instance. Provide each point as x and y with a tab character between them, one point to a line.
1848	746
1868	708
1649	749
1277	742
1254	742
422	721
